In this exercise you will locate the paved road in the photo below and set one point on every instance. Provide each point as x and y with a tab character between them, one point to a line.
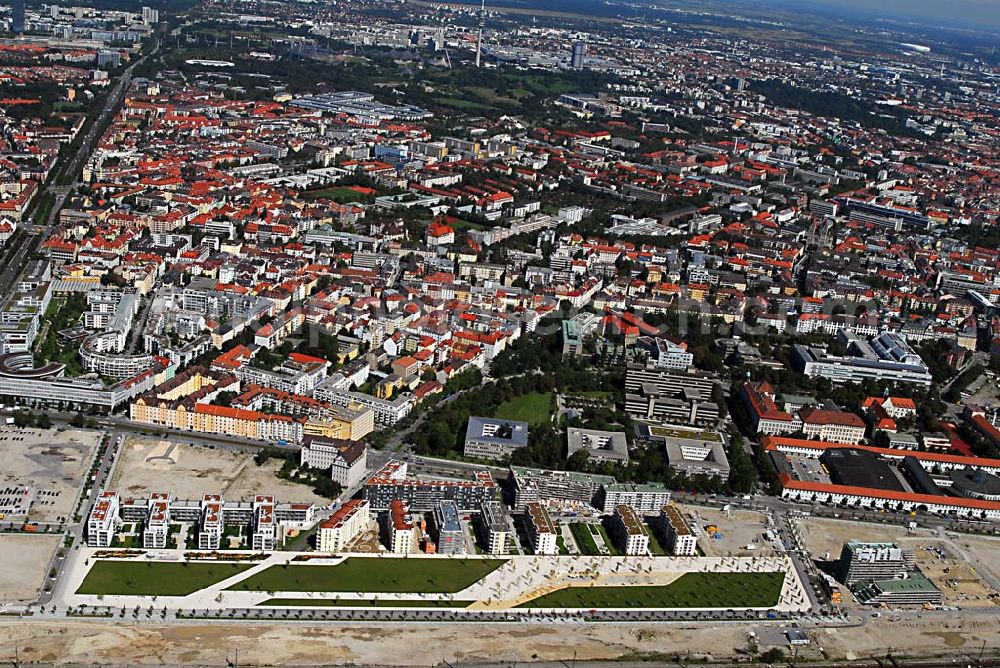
106	462
16	256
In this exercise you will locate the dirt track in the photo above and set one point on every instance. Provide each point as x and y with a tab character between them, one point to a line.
423	645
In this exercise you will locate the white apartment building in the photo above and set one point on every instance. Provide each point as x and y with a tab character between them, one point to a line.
631	530
154	533
495	528
103	520
402	533
212	526
681	540
541	530
351	519
643	498
264	528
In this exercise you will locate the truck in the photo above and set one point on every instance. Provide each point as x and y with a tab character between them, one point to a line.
8	421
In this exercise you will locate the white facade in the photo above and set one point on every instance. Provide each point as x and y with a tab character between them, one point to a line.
350	520
103	520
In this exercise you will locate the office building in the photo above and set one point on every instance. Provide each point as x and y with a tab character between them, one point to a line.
17	16
493	438
887	357
834	426
660	396
873	561
694	452
579	54
600	446
914	589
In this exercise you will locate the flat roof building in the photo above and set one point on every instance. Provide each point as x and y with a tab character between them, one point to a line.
541	530
544	486
600	446
678	537
450	536
494	528
693	452
630	531
646	498
494	438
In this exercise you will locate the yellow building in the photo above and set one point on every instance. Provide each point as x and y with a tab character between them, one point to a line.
347	423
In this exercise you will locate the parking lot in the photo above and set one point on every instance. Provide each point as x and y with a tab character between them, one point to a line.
43	471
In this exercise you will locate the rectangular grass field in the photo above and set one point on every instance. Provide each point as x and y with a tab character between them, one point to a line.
691	590
155	578
535	408
369	574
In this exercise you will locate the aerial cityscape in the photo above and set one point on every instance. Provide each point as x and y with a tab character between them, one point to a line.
525	332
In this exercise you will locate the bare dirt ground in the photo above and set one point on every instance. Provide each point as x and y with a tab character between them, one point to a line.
189	471
49	462
379	644
964	568
736	530
26	557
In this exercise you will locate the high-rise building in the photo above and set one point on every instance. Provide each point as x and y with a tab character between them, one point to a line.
579	53
150	15
17	18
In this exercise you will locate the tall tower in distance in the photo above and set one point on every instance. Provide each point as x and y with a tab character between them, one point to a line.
17	20
479	40
579	53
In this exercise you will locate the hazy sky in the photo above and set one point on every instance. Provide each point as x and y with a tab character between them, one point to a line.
982	13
